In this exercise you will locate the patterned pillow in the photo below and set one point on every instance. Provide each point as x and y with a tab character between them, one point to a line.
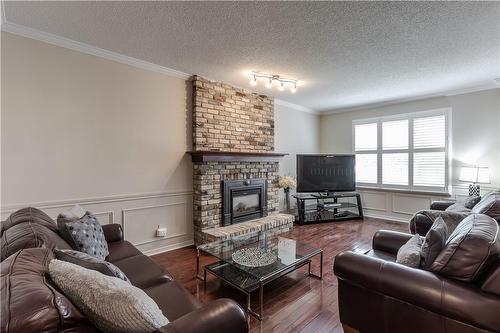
90	262
111	304
84	234
434	242
470	202
409	253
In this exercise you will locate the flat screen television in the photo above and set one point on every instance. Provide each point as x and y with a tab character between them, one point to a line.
326	173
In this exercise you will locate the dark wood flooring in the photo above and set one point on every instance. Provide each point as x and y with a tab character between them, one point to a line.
295	302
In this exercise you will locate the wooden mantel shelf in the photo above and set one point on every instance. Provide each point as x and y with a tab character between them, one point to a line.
226	156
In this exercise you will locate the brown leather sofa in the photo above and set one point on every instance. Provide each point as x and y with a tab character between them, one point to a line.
31	302
378	295
489	205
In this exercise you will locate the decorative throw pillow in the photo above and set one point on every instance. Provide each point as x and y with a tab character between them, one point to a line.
111	304
471	201
409	253
434	242
84	234
458	208
470	249
90	262
489	205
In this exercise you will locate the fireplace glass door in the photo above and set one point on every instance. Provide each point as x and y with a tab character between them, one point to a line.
245	203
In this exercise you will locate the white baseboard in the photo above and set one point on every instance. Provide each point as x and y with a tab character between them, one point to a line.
169	248
387	217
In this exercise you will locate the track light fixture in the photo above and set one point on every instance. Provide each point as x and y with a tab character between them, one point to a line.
270	78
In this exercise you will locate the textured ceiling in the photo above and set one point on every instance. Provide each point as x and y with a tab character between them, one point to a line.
346	54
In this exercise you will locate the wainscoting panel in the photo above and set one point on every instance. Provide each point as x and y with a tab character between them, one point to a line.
395	206
408	204
138	214
140	223
374	201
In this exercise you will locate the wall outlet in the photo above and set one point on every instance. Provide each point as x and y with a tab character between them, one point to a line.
161	231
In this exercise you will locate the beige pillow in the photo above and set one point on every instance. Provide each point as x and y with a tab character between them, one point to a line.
111	304
409	254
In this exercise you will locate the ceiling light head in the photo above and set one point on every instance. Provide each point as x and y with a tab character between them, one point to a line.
253	81
281	87
293	89
269	84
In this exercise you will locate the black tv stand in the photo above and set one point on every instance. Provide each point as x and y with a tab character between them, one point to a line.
328	207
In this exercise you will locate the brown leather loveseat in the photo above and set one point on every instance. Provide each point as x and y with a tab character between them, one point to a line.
32	303
377	295
422	221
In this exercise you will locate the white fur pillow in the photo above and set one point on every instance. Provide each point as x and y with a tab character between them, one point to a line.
111	304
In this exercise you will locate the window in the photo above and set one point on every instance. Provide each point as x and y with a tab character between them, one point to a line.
407	151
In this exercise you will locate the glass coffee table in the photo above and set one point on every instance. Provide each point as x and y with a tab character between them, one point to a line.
250	261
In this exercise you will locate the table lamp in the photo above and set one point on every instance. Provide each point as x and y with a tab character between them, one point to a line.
475	175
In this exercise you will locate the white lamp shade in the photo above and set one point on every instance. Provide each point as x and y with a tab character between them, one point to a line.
483	175
474	174
468	174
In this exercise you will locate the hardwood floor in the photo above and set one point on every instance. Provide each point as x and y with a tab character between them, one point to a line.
295	302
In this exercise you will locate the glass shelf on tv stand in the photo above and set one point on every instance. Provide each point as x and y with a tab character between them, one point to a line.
328	207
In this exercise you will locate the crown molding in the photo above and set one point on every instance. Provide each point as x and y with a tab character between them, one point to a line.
449	93
67	43
295	106
482	87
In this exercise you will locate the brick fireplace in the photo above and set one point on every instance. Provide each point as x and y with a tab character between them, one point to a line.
233	141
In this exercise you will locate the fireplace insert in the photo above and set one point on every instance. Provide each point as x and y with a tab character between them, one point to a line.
243	200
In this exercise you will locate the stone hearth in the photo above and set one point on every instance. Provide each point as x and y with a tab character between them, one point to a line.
229	119
282	221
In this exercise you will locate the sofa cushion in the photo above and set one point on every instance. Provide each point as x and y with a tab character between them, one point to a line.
29	228
434	242
142	271
84	234
90	262
489	205
30	302
470	249
164	293
120	250
113	305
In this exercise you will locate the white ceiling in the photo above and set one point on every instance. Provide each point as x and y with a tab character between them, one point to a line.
345	54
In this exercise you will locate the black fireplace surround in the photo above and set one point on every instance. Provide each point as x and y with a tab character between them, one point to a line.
243	200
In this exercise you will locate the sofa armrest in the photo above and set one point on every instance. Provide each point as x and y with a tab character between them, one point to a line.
453	299
441	204
112	232
222	315
389	241
420	224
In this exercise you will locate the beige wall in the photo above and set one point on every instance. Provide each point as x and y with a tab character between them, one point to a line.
79	128
475	128
296	132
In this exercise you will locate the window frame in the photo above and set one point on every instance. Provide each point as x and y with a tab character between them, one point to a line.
446	112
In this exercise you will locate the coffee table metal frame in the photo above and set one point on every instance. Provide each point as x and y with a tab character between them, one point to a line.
305	260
